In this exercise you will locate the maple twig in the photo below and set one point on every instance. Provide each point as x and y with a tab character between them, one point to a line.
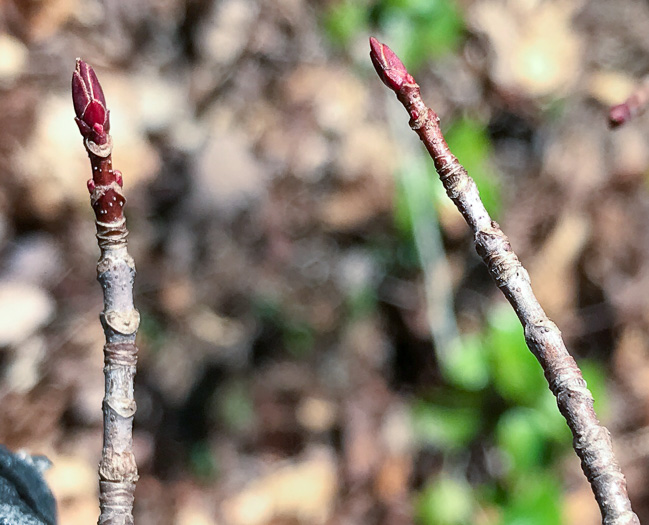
592	442
631	107
119	319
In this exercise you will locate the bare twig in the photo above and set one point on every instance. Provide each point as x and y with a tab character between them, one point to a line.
631	107
592	442
120	320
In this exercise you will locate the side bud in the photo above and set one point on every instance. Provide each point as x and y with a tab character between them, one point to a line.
619	115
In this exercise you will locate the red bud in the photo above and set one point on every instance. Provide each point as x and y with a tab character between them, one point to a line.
618	115
92	117
388	66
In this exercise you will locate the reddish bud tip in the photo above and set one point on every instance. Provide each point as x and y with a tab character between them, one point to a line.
92	117
619	115
118	178
388	66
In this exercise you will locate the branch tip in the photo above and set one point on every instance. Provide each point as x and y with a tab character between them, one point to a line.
89	102
388	66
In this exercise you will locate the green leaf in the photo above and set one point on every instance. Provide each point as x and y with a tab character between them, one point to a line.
520	435
517	375
554	425
344	20
448	428
470	143
535	499
420	30
465	364
446	501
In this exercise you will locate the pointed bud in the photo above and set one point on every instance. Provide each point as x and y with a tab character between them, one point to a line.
388	66
92	117
618	115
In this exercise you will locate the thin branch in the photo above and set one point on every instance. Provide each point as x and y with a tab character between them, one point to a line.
120	319
592	442
633	106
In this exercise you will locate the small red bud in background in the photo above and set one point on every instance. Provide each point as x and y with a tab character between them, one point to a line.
92	117
618	115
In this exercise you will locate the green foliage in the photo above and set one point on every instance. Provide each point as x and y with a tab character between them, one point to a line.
466	364
446	427
469	142
517	376
420	29
446	501
529	434
417	29
521	437
345	20
534	499
361	302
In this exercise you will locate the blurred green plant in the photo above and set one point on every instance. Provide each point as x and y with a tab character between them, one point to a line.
202	462
297	335
360	302
420	29
446	501
346	19
450	425
469	142
512	414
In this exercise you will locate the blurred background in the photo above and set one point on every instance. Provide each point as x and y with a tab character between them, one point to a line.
320	344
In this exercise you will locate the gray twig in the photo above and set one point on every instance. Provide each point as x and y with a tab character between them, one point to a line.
120	319
592	442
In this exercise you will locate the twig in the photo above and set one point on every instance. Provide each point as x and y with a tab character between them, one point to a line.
120	320
631	107
592	442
